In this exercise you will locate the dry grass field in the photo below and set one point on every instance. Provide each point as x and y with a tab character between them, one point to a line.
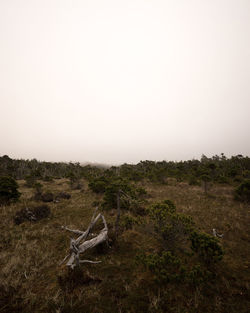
31	279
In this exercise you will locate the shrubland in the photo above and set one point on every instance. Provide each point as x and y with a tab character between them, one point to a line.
164	257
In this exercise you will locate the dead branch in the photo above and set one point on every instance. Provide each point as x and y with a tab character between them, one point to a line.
80	245
216	234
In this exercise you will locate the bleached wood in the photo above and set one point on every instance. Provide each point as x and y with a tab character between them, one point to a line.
75	231
94	241
80	245
92	262
30	215
216	234
91	225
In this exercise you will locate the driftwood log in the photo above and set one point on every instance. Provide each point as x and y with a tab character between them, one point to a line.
80	245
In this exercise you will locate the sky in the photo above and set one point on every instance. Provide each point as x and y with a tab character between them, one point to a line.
122	81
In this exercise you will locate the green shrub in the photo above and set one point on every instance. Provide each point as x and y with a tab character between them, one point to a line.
160	210
205	178
38	187
48	178
38	191
127	194
207	247
99	185
198	275
172	227
193	181
242	193
74	180
136	206
141	191
8	190
129	221
221	179
166	267
175	261
30	181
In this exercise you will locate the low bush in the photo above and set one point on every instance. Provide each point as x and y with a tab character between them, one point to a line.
181	247
172	227
98	185
30	181
165	266
38	187
168	268
47	197
198	275
48	178
242	192
131	197
62	195
141	192
128	221
8	190
74	181
192	180
206	246
31	214
127	194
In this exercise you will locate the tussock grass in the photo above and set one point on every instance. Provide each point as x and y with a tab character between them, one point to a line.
30	254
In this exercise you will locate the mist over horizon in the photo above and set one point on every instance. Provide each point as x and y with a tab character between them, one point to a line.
102	164
119	82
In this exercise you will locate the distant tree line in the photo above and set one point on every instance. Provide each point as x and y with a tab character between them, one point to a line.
218	169
34	169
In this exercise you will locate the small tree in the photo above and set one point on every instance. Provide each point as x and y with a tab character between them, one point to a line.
172	227
8	190
112	197
30	180
242	193
74	180
205	179
207	247
174	261
99	184
38	187
115	186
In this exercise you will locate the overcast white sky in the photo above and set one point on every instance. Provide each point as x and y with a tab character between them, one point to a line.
122	81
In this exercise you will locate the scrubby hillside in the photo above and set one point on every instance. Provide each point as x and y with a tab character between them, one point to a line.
148	267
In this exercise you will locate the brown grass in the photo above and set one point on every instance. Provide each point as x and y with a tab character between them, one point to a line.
30	254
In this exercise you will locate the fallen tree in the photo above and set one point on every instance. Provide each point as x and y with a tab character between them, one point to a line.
80	245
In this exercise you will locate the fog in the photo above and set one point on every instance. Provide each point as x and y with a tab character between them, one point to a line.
124	81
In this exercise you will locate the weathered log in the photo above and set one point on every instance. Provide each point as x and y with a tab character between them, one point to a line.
80	244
